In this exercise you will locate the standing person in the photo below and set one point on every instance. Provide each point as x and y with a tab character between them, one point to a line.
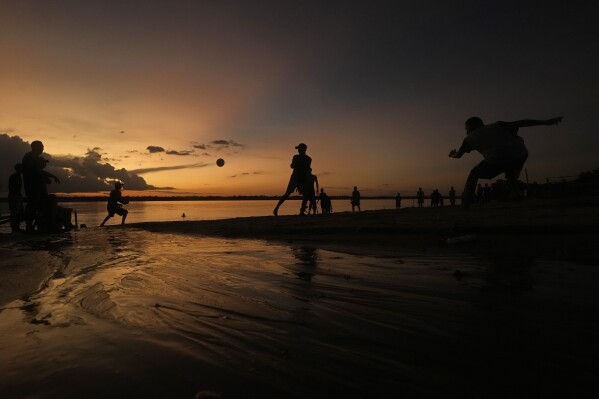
300	164
325	202
501	147
398	201
15	198
35	179
355	199
310	194
452	196
420	196
115	204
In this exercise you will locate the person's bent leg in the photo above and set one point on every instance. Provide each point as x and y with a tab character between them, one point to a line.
290	189
484	170
125	213
105	220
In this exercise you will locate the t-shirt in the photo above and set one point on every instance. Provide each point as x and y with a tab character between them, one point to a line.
301	167
496	142
115	198
33	175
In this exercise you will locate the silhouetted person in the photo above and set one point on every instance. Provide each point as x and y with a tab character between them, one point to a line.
435	198
398	201
503	151
452	196
35	179
301	169
15	198
479	193
420	197
115	204
325	202
309	198
355	199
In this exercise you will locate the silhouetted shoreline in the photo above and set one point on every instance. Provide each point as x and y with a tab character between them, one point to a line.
549	229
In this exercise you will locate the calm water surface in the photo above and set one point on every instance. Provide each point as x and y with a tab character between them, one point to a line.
92	213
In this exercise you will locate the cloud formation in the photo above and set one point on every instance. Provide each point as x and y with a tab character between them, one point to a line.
163	168
152	149
181	153
76	174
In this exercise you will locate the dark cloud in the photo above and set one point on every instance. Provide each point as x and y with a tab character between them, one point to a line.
200	146
182	153
163	168
122	132
245	174
76	174
154	149
221	144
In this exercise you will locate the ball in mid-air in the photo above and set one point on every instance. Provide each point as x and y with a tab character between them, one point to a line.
220	162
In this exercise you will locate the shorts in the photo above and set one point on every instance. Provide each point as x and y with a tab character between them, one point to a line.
117	209
490	169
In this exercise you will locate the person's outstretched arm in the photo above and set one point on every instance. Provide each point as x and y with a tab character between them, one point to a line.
464	148
50	175
534	122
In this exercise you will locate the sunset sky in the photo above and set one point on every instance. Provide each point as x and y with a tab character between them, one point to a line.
379	91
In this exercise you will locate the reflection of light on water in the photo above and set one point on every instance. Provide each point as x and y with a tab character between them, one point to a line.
168	310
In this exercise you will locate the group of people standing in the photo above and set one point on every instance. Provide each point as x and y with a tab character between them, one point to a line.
40	210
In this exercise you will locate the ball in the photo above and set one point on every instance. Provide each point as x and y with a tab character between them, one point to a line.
220	162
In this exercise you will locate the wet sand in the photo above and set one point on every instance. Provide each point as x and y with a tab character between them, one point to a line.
546	229
501	301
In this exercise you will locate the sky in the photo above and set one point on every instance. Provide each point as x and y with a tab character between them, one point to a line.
154	92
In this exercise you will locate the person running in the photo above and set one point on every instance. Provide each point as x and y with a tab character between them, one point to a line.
115	204
300	164
501	147
355	199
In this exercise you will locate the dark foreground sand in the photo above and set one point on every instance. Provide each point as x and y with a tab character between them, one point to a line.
497	302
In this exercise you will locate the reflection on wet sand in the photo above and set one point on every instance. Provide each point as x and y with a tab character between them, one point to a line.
130	313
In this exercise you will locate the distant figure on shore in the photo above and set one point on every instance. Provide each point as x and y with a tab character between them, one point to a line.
435	198
420	197
310	190
115	204
35	180
398	201
300	164
355	199
15	198
183	215
501	147
452	196
480	194
325	202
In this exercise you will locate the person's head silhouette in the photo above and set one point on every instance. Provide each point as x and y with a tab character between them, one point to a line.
37	147
301	148
473	123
